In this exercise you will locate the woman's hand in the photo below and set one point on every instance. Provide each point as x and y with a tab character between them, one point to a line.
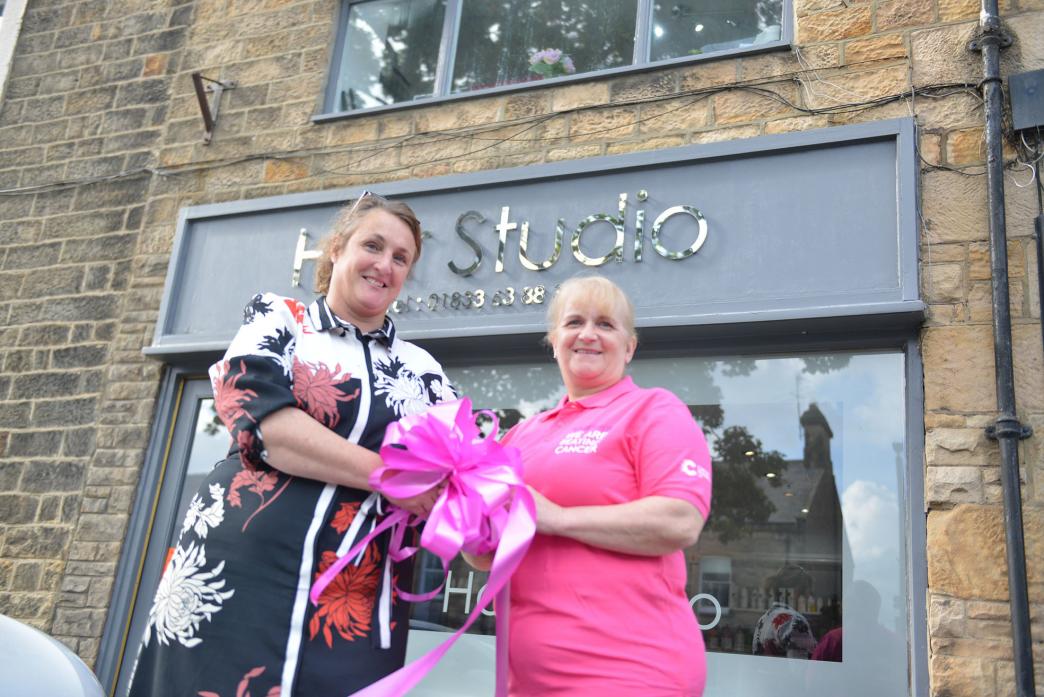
421	504
548	514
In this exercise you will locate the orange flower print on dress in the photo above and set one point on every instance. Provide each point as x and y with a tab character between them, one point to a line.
344	516
317	392
228	397
243	688
346	605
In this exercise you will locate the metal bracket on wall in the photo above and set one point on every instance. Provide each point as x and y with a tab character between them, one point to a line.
210	113
999	36
1008	427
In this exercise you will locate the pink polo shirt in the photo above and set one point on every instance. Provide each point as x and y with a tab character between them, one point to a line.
588	621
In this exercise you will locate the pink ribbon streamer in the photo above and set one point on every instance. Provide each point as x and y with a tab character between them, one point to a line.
485	507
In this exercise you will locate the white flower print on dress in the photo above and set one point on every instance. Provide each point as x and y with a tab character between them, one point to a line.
202	519
403	389
187	595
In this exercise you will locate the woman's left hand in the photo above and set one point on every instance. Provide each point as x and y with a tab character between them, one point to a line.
548	513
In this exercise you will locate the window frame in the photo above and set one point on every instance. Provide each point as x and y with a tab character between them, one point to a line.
447	52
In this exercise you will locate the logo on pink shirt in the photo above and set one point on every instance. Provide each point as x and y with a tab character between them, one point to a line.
581	442
693	470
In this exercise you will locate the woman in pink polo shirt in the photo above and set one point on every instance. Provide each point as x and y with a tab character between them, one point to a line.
622	481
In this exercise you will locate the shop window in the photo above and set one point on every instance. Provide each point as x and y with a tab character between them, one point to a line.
805	537
397	51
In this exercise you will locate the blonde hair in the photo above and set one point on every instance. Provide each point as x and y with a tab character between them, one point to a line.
593	291
347	222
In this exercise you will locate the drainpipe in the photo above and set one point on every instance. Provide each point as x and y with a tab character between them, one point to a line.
1007	430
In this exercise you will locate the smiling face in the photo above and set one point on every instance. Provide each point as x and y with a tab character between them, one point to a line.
369	270
593	344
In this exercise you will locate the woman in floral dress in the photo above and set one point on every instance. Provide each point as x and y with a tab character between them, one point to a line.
306	392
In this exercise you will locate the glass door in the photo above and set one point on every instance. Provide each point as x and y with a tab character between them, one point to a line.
805	535
196	441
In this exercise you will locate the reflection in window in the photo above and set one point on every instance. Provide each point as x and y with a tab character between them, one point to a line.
394	51
705	26
391	52
210	445
804	536
501	43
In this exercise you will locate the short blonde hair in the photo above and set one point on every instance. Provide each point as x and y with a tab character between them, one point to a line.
593	291
347	222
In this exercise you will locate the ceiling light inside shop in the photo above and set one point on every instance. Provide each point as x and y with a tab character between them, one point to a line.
698	27
788	493
658	31
749	453
771	475
804	510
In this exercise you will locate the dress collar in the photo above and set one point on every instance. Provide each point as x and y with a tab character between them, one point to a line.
325	320
599	399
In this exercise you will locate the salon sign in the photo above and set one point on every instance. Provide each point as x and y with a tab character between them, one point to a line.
597	239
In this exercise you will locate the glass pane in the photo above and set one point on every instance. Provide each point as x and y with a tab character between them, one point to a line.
210	444
705	26
391	51
511	41
805	532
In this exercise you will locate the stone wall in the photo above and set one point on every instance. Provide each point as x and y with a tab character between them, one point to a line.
102	87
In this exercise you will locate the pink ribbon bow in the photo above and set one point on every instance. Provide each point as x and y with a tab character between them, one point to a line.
485	507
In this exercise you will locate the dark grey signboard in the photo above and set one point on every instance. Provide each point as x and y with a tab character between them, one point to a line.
816	224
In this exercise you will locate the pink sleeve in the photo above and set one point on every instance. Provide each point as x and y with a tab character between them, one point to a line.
671	453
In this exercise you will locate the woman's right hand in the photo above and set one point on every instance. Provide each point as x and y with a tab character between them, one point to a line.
421	504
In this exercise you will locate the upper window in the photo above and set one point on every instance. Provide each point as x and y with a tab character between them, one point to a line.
395	51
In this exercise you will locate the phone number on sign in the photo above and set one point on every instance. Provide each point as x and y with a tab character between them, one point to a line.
471	299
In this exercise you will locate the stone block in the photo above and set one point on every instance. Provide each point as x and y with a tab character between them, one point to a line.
95	527
574	152
718	135
878	48
832	25
1029	371
528	104
976	647
350	132
796	123
31	256
954	207
901	14
35	542
964	351
285	170
78	622
33	443
26	576
65	412
943	282
861	85
78	442
706	74
45	477
950	485
966	552
642	86
946	617
740	105
143	92
686	114
940	55
965	146
958	446
51	282
647	144
459	115
18	509
603	124
953	10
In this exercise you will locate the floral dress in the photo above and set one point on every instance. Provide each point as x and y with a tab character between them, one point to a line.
231	615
